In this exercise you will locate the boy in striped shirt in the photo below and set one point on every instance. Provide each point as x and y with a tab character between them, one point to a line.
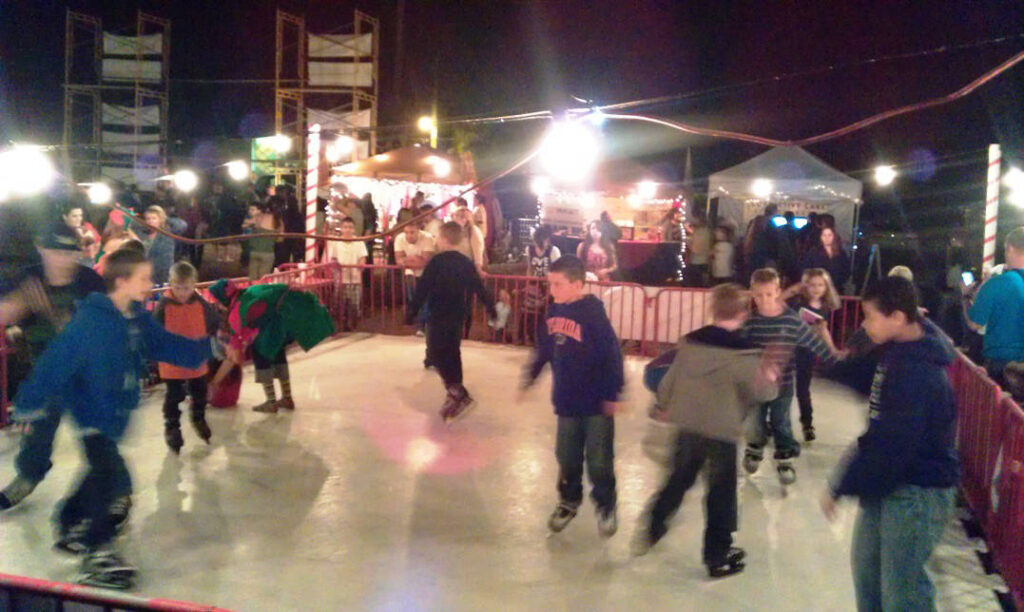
780	330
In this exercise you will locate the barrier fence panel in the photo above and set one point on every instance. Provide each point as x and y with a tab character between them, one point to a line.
20	593
1006	529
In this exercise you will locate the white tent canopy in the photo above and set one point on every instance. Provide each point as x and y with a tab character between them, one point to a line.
794	180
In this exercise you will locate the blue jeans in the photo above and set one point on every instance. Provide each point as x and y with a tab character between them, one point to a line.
892	540
774	414
590	438
33	459
105	475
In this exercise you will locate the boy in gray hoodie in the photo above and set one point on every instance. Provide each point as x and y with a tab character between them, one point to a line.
715	381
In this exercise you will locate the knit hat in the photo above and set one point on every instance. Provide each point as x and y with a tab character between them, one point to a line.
223	290
61	238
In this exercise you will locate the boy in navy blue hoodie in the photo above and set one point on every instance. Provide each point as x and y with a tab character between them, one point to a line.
904	468
586	365
96	363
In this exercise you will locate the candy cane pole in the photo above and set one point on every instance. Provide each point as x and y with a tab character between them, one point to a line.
995	160
312	182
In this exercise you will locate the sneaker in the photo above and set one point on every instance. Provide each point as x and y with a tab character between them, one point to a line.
607	522
809	435
732	564
172	436
787	474
645	538
561	516
450	402
71	540
202	429
267	406
752	460
119	510
286	403
427	364
106	568
463	405
19	489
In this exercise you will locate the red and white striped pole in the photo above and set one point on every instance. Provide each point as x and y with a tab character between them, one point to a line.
312	185
995	160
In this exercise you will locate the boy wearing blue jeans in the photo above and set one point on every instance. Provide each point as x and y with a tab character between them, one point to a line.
780	330
96	364
586	364
904	468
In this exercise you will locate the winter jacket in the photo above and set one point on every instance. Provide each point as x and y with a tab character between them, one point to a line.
280	315
711	386
912	422
586	361
195	318
96	363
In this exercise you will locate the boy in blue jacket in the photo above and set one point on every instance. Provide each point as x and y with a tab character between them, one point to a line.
904	468
586	365
96	363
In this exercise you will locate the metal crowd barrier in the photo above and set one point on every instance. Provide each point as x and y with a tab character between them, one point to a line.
20	593
649	319
990	441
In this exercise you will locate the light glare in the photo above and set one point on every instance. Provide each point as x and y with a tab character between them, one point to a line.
570	151
762	188
25	170
540	185
238	170
647	189
885	175
185	180
100	193
282	144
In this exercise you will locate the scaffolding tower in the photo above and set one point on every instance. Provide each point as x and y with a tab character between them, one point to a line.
326	79
116	91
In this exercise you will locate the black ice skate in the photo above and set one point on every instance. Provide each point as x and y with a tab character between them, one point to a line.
172	435
561	516
732	564
202	429
106	568
752	459
71	539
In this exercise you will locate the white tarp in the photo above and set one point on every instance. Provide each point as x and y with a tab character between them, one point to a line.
131	70
144	177
341	122
114	114
341	74
150	44
122	143
340	45
572	209
655	314
800	182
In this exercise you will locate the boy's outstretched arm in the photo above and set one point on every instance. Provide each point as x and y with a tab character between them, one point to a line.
162	345
540	356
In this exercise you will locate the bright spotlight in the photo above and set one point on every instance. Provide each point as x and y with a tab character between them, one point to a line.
100	193
341	147
425	124
238	170
1014	182
442	168
185	180
647	189
570	151
25	170
282	144
540	185
885	175
762	188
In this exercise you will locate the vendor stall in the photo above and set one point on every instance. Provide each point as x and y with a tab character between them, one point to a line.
792	179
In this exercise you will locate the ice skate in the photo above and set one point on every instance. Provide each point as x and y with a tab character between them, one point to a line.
202	429
561	516
607	522
752	459
106	568
787	473
14	493
70	539
809	433
732	564
464	403
172	436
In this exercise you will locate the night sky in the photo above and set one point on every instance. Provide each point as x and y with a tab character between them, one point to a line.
486	58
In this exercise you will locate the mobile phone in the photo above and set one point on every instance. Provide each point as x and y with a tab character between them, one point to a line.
967	278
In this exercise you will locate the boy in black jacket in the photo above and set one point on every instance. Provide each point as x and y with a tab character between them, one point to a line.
904	468
586	365
449	279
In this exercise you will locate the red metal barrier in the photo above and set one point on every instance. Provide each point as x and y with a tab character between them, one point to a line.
20	593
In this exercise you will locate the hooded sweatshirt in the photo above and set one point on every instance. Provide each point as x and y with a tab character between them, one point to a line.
586	361
96	363
712	386
912	422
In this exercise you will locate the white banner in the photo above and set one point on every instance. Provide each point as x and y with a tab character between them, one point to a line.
148	116
126	144
338	121
144	177
150	44
340	45
341	74
131	70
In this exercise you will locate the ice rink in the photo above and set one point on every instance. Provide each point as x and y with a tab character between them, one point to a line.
362	499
